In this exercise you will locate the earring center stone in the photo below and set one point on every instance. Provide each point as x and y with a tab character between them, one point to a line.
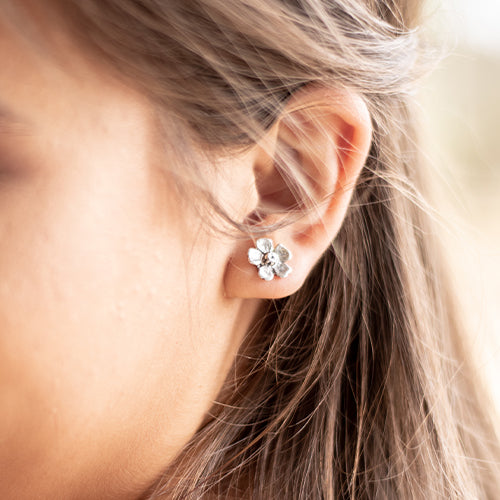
270	259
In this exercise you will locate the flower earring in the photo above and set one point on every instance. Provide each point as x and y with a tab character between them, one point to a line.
270	260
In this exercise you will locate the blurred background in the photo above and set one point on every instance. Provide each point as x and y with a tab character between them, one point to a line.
461	115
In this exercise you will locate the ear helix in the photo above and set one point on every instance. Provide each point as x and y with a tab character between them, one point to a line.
270	260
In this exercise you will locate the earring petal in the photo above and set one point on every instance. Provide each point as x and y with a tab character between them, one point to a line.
282	270
283	253
266	273
255	256
265	245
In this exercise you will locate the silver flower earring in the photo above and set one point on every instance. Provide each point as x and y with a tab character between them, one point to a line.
270	260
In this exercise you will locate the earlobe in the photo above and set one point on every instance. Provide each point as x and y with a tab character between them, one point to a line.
326	133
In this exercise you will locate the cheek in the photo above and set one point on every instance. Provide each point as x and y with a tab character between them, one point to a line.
93	299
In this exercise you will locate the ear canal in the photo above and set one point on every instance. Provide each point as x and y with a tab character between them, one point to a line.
276	179
301	170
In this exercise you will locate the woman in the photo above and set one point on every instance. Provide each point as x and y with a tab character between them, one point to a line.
219	276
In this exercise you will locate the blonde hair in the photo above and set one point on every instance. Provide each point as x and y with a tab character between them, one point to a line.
358	385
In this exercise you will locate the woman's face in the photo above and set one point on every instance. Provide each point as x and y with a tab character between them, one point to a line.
115	335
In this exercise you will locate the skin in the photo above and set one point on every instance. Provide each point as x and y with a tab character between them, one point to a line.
115	332
120	313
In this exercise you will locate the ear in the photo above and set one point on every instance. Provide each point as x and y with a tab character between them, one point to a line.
326	133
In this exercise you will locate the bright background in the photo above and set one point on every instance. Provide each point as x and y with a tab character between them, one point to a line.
461	108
